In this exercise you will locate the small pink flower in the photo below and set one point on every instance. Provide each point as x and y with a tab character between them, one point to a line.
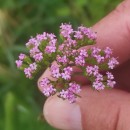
50	49
83	53
95	51
98	85
51	36
78	35
61	47
111	83
71	42
74	52
28	73
89	70
66	30
88	32
110	75
108	52
22	56
66	76
92	70
19	63
32	42
62	59
49	90
55	71
53	42
75	88
38	56
63	94
99	58
112	63
68	95
68	69
41	37
71	97
33	66
84	30
80	60
67	73
30	70
99	77
92	36
34	50
44	82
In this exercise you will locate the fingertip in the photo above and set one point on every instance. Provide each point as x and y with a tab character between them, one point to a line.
61	114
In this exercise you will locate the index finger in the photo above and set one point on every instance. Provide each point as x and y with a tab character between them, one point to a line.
114	31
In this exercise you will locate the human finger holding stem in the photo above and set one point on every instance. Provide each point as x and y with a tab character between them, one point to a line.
109	109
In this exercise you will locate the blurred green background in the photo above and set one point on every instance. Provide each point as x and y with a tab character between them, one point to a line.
20	101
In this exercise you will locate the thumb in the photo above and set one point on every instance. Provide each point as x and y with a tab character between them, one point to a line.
106	110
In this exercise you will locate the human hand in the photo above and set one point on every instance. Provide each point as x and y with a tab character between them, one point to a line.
108	109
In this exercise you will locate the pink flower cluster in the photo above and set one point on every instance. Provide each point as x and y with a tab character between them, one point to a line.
45	48
46	87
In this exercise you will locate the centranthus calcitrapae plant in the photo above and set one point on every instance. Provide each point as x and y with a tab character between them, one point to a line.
45	51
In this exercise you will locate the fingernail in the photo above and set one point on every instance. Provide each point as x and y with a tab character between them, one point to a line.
62	115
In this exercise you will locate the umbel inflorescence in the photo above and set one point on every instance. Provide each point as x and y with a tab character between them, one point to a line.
69	52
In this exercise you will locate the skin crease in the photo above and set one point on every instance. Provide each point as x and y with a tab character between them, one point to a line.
108	109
